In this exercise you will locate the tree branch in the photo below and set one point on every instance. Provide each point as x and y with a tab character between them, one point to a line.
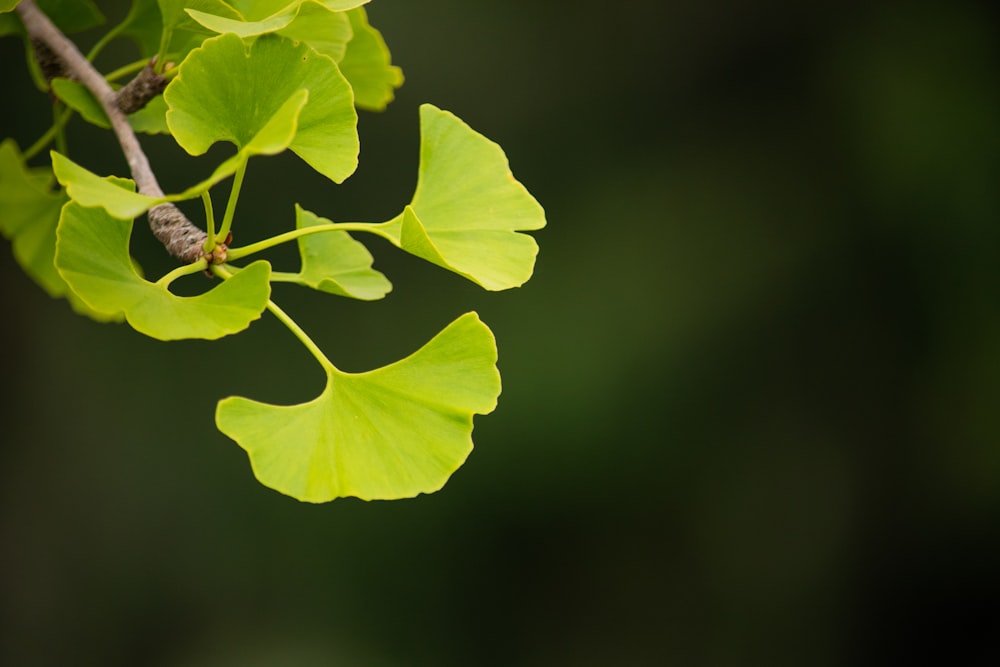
179	235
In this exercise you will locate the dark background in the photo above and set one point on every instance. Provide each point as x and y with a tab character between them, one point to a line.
750	411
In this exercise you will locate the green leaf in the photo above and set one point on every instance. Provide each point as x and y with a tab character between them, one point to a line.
367	65
241	27
468	207
151	119
144	24
90	190
181	33
272	136
29	213
390	433
334	262
8	5
79	98
325	30
92	257
260	80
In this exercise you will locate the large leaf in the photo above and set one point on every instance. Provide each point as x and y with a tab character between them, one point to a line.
29	213
367	65
92	256
468	208
8	5
144	24
260	80
390	433
271	136
334	262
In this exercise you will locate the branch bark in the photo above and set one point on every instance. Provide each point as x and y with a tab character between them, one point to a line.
179	235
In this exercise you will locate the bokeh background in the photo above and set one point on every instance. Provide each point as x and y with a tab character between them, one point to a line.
751	408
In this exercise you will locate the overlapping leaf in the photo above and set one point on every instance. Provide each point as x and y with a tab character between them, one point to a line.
151	119
334	262
92	257
271	136
390	433
29	213
468	208
367	65
261	78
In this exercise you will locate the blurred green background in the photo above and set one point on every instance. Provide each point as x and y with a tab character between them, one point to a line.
751	408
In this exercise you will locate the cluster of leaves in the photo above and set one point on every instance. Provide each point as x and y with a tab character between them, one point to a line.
269	76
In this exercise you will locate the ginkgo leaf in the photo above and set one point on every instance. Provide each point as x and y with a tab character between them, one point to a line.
29	213
181	34
324	29
390	433
334	262
272	136
8	5
367	65
78	98
92	257
242	27
468	208
261	78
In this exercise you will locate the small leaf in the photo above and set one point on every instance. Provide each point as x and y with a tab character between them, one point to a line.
92	256
334	262
8	5
325	30
241	27
468	207
79	98
390	433
367	65
260	80
89	189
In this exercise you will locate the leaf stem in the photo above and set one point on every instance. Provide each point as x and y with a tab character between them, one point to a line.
292	325
126	70
206	199
185	270
234	195
105	40
259	246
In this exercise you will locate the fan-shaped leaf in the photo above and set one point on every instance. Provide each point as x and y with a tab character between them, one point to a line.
390	433
260	80
334	262
92	257
468	207
367	65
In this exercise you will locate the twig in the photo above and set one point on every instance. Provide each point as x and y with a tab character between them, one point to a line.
179	235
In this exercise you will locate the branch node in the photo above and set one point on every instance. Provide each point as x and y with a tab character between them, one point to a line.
138	92
181	238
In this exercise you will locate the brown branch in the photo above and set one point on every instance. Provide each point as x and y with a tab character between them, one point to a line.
179	235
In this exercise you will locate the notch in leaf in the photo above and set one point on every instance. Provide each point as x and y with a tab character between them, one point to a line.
92	257
390	433
468	209
262	79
